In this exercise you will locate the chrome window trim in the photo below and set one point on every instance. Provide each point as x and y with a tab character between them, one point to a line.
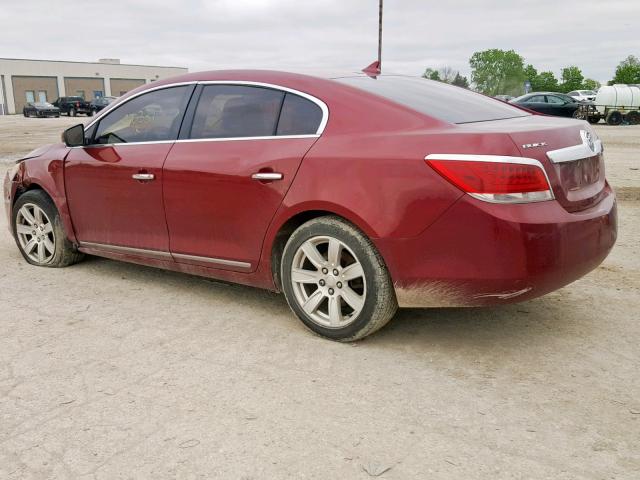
234	139
577	152
192	140
323	106
495	198
124	144
161	254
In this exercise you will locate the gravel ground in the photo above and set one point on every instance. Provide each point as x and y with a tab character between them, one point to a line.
110	370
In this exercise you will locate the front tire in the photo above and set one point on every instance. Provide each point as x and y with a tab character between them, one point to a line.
335	280
39	233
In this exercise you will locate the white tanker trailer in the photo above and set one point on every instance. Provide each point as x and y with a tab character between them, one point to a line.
619	103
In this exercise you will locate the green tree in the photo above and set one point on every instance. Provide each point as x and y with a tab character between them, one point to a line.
531	74
445	74
431	74
460	81
546	82
572	79
496	72
590	84
628	71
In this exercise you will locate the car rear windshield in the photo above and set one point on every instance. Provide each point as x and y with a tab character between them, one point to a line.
436	99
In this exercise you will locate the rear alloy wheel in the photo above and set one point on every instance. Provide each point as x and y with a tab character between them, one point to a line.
39	233
335	281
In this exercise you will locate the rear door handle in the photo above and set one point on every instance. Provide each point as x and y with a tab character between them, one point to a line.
267	176
143	176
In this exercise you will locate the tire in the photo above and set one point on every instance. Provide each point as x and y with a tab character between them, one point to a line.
614	118
370	293
72	112
90	113
594	119
58	250
633	117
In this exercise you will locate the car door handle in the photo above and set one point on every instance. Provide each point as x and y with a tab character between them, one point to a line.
267	176
143	176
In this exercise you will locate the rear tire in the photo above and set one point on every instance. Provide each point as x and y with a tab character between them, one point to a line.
633	117
614	118
335	280
39	232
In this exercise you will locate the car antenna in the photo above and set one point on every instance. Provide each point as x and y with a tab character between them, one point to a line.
375	68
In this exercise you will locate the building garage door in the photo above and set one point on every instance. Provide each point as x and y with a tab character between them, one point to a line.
120	86
33	89
87	88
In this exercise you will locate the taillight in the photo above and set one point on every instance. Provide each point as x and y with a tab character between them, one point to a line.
494	178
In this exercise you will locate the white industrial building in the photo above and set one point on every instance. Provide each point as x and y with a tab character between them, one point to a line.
23	81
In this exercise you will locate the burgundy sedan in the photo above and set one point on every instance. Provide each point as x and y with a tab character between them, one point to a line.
352	195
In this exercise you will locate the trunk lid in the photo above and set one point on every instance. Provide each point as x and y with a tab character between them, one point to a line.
569	151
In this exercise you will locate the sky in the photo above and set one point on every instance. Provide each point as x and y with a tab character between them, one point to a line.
324	35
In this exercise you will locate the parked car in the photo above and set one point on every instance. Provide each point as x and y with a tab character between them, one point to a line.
582	95
351	195
549	103
504	98
40	109
73	106
100	103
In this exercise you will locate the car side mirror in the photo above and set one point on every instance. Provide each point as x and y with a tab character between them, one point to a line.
74	136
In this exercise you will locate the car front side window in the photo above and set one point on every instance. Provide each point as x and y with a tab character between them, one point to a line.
151	117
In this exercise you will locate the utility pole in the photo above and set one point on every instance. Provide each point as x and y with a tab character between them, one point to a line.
380	37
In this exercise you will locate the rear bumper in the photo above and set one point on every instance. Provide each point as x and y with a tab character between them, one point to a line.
479	253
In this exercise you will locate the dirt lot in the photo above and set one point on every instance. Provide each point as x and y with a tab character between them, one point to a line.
110	370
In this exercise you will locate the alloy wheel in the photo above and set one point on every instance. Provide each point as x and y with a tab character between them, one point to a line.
35	233
328	282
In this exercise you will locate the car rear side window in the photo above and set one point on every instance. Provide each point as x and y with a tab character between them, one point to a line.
299	116
151	117
236	111
555	100
435	99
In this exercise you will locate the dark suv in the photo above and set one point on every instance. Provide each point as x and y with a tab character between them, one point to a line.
73	105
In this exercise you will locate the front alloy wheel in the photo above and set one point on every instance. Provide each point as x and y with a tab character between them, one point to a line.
335	280
39	233
35	234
